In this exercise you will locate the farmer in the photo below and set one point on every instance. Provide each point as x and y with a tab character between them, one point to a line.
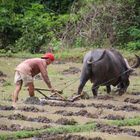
25	72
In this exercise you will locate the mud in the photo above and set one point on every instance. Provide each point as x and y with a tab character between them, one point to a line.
63	104
15	127
32	100
136	93
86	114
64	137
64	112
31	109
17	117
104	97
127	108
39	119
133	101
108	106
116	130
2	107
82	112
64	121
114	117
71	70
22	117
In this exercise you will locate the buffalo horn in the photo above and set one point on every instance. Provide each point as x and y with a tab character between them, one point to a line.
137	64
90	62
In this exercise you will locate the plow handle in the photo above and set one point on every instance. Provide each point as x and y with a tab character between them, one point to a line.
58	91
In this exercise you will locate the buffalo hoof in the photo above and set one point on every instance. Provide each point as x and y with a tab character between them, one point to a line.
121	92
94	95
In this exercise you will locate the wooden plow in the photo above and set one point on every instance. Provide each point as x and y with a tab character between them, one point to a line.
57	93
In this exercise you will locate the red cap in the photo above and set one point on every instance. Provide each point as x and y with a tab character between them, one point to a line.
48	55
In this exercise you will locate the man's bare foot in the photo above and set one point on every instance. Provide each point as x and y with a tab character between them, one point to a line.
15	106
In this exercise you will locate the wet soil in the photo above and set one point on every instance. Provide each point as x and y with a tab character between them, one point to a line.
116	130
71	70
42	119
136	93
114	117
65	121
64	137
64	112
108	106
133	101
127	108
104	97
18	116
82	112
63	104
2	107
86	114
32	100
39	119
15	127
31	109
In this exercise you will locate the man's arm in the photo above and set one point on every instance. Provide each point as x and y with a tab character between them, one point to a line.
45	76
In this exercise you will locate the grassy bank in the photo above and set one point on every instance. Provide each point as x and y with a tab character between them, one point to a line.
75	54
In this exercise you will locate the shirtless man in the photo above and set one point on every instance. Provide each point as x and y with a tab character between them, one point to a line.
25	72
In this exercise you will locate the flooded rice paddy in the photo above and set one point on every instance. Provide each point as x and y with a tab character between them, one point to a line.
36	113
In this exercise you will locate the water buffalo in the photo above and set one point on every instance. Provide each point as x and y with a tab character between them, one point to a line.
106	67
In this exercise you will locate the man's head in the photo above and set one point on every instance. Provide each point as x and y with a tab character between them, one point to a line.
49	57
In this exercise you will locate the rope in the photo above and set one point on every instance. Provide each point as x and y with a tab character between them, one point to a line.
67	82
73	81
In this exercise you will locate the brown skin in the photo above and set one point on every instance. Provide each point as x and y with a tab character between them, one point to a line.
30	88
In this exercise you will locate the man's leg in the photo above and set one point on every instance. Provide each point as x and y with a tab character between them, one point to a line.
31	89
16	92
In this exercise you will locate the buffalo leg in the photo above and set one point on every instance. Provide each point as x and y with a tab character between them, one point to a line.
95	90
123	86
108	88
82	84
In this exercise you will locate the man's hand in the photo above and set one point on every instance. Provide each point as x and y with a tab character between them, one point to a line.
52	90
55	90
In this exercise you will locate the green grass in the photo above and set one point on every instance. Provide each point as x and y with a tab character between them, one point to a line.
54	130
126	122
